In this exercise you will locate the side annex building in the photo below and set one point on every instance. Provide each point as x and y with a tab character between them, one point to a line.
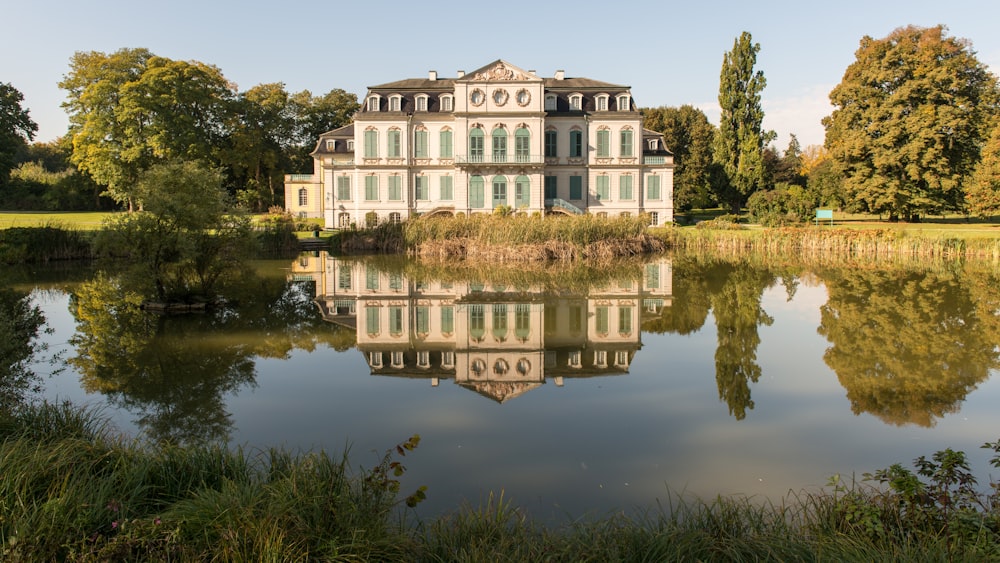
495	137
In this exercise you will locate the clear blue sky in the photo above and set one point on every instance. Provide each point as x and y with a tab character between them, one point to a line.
670	52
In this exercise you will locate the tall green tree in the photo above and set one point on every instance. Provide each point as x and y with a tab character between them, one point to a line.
688	134
982	192
16	128
910	115
739	143
316	115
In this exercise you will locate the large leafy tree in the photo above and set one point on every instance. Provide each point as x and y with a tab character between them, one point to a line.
315	115
16	128
982	193
739	143
911	114
688	135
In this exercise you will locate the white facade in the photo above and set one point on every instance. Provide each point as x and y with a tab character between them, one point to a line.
498	136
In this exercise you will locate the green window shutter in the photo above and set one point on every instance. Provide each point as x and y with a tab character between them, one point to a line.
446	191
343	187
499	191
522	321
395	321
476	195
420	188
371	320
625	320
601	320
652	276
604	143
395	188
371	278
423	320
603	188
522	144
652	187
477	322
551	187
500	322
393	148
576	187
371	188
575	144
420	144
522	192
625	187
551	144
476	143
371	144
626	148
499	145
447	319
446	144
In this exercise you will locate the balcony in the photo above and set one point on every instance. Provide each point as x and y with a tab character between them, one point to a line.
565	206
654	160
493	159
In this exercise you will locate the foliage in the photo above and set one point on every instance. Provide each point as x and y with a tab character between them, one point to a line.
783	205
688	135
982	192
911	113
739	142
22	245
16	128
20	324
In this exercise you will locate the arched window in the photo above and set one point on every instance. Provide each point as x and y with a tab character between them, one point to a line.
499	191
499	322
499	145
522	192
303	196
476	142
476	196
522	144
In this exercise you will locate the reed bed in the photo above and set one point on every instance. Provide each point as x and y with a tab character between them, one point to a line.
20	245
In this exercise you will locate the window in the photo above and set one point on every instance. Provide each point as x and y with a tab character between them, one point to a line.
395	103
395	281
343	188
626	146
625	320
575	144
446	144
500	321
420	143
576	102
499	145
331	145
447	319
551	143
371	278
344	277
373	103
420	191
601	358
446	103
602	102
522	321
371	219
446	191
522	192
551	191
652	276
421	103
654	218
476	195
395	188
397	359
624	102
303	196
394	218
477	322
550	102
653	144
576	187
371	321
652	187
393	143
476	142
422	319
625	187
603	188
350	145
603	143
621	358
522	144
601	320
371	143
344	221
371	188
576	319
395	321
499	191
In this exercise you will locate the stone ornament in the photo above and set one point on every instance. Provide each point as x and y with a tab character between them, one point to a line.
500	97
477	97
499	72
523	97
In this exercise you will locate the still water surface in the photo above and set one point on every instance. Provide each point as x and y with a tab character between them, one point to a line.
575	392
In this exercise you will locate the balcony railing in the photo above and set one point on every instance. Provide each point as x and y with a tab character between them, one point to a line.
499	159
654	160
563	204
300	177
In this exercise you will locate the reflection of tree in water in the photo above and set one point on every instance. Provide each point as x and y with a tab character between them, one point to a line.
19	326
690	303
737	311
174	372
909	346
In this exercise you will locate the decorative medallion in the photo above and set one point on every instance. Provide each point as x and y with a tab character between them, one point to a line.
500	72
523	97
477	97
500	96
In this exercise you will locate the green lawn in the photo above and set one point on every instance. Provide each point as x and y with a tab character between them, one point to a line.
84	220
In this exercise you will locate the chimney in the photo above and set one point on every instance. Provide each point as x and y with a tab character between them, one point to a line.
433	75
460	73
560	74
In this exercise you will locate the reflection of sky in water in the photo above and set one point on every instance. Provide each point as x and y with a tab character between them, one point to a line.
593	444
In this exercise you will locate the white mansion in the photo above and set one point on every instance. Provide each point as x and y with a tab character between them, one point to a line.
498	136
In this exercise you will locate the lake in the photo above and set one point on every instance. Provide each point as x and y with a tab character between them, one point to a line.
574	390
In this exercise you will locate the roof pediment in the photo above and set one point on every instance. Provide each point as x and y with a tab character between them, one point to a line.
500	71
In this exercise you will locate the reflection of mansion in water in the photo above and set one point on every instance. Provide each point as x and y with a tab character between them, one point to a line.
498	341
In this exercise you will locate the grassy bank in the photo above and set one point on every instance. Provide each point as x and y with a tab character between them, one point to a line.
71	490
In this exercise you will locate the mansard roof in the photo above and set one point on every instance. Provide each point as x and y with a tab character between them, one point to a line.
340	135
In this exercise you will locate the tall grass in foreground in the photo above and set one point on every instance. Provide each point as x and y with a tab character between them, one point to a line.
72	491
20	245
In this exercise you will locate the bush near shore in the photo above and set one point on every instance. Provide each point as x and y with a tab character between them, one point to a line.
71	490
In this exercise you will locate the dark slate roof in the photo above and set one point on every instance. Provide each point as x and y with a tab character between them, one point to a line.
650	134
417	84
339	136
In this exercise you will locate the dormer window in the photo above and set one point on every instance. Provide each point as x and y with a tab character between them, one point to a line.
350	145
373	102
421	102
654	144
550	102
395	102
331	144
624	102
602	102
446	102
576	102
